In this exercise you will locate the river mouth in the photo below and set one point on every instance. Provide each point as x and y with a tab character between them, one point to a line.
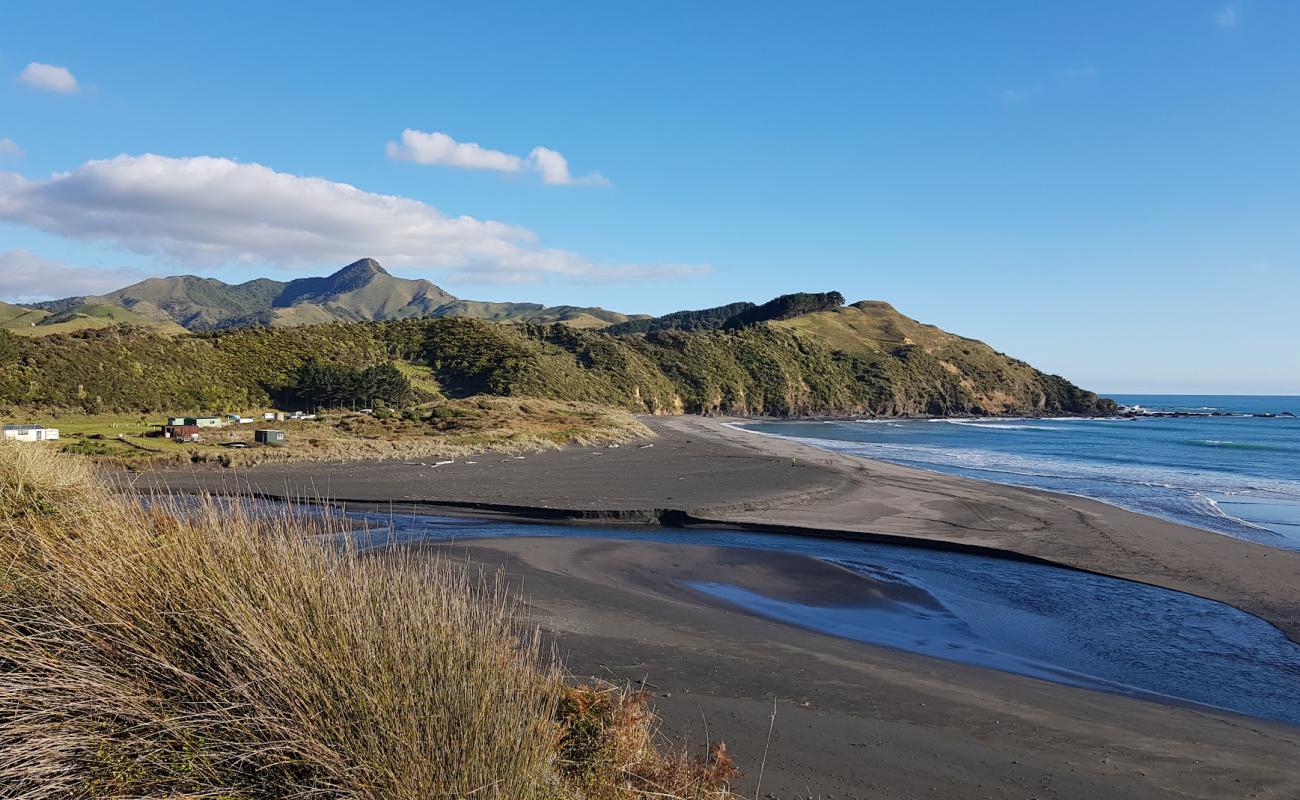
1038	620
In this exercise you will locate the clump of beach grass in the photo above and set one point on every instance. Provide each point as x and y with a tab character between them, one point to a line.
209	649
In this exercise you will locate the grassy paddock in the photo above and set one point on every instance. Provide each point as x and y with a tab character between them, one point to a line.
442	429
205	651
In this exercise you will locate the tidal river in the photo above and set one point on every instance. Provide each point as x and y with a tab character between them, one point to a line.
1042	621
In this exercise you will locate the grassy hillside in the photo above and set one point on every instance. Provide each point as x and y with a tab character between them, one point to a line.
196	303
363	291
904	360
16	317
38	322
785	368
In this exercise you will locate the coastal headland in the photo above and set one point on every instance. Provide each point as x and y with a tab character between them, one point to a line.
852	720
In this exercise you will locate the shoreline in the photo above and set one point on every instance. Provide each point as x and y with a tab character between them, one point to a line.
738	425
702	471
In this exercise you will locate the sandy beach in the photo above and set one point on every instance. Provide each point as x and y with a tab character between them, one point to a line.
705	471
853	720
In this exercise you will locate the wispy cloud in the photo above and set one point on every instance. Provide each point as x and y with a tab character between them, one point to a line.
209	211
1229	16
26	277
1059	79
1076	74
9	148
435	147
1011	97
49	78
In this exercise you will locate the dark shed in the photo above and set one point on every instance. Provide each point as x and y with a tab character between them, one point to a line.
269	436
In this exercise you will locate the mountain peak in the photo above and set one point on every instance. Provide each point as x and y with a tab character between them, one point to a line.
363	269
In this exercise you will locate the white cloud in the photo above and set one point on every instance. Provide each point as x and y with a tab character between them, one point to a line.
210	211
438	148
9	148
48	78
1229	17
25	277
554	168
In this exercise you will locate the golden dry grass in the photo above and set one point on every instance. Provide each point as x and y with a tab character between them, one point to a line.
446	429
207	649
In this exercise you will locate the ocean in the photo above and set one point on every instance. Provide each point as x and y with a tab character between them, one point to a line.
1237	473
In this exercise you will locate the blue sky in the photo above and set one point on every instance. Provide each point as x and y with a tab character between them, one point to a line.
1108	190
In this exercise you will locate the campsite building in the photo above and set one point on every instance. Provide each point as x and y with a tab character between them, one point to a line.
30	433
196	422
269	436
182	433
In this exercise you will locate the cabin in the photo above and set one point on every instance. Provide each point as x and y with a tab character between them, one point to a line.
197	422
182	433
30	433
269	436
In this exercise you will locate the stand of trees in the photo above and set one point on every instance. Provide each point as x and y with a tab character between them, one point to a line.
787	306
332	385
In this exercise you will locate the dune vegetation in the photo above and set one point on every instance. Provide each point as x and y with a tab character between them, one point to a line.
439	429
210	649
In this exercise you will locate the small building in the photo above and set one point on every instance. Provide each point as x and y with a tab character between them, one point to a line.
30	433
269	436
204	422
273	416
176	420
182	433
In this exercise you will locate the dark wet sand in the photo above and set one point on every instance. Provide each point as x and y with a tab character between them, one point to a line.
854	720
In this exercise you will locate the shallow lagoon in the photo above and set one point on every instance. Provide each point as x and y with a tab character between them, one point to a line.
1047	622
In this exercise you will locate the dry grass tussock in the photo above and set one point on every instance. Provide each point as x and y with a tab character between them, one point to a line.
207	651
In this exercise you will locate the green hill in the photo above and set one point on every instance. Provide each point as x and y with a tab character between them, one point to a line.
14	317
699	320
534	313
39	322
905	360
197	303
363	291
850	361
